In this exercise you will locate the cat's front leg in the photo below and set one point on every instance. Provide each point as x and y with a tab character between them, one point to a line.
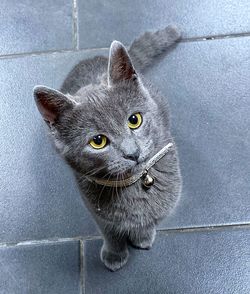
114	252
142	238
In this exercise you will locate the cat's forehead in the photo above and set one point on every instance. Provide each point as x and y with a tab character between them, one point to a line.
109	100
108	107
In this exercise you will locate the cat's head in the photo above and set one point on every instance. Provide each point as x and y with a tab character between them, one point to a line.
108	129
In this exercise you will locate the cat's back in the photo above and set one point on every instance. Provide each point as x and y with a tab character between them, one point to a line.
86	72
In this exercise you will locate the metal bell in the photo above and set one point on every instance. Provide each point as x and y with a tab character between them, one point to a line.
148	181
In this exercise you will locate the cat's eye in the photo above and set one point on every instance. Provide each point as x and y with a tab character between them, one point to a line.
99	141
134	121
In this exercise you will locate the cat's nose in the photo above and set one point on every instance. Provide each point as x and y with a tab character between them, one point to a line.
130	150
133	156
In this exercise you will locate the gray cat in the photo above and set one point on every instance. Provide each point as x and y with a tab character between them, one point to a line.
106	122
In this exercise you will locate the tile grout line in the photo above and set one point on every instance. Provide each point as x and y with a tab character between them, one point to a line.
82	268
48	241
75	25
215	37
205	228
36	53
77	49
49	52
98	237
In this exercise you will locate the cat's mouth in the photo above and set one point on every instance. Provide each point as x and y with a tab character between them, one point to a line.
132	175
134	168
127	172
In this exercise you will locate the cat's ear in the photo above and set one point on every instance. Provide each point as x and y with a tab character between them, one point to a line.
51	103
120	67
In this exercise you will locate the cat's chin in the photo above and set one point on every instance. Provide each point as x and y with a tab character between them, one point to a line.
125	172
131	171
137	168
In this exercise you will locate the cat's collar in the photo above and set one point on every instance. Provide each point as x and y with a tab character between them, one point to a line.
143	175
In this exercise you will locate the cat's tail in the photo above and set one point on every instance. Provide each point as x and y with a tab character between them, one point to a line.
143	49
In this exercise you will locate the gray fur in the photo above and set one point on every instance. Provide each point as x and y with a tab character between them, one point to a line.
99	101
144	49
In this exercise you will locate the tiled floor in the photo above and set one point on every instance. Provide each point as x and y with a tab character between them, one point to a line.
48	241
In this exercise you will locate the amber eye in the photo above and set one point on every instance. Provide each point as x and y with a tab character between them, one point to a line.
99	141
135	120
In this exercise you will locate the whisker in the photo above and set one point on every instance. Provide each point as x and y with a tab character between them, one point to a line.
98	202
94	171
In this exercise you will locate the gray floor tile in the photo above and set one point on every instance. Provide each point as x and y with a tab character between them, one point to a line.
30	25
40	269
100	22
193	262
207	84
38	196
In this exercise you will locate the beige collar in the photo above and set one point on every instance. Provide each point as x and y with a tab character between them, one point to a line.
147	180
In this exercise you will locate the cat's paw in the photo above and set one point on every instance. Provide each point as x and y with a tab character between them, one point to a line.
144	242
114	261
145	245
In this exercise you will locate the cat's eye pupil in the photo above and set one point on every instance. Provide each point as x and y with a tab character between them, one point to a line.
98	139
133	119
